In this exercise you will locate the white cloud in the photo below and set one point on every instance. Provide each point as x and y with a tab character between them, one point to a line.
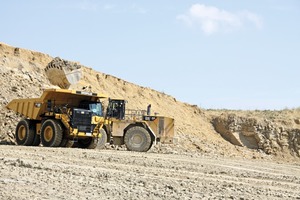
255	19
212	19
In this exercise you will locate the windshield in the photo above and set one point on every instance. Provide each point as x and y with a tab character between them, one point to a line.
96	108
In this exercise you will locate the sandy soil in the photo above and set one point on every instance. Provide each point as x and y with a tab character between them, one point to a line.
62	173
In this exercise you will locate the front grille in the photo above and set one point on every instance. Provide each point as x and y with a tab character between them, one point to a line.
81	119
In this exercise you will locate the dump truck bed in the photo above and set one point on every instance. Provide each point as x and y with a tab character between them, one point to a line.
33	108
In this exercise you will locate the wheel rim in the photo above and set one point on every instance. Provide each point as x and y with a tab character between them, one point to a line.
48	133
137	139
22	132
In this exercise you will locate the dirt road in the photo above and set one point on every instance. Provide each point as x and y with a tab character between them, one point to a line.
62	173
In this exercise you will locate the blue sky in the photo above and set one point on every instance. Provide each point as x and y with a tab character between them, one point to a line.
216	54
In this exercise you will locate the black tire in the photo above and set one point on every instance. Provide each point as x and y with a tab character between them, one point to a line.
36	140
67	143
70	144
137	139
64	142
25	133
51	133
103	140
87	143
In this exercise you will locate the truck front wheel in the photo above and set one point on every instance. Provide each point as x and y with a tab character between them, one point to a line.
87	143
25	133
137	139
51	133
103	140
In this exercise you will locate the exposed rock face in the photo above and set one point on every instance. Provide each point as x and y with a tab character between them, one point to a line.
271	137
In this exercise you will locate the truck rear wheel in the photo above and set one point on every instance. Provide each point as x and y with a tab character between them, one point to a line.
137	139
36	140
51	133
25	133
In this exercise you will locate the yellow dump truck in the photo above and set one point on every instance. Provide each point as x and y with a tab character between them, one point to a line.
60	117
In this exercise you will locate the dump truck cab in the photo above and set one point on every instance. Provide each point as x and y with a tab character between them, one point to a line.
58	117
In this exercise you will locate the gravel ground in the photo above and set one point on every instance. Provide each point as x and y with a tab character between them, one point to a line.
63	173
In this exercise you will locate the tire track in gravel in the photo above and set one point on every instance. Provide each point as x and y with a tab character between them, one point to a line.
158	176
126	165
170	175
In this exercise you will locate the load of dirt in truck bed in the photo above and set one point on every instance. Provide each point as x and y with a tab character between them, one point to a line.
249	134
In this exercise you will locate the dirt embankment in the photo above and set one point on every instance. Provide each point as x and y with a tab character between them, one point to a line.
22	75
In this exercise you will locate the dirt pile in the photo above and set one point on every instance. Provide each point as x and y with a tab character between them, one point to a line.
23	76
